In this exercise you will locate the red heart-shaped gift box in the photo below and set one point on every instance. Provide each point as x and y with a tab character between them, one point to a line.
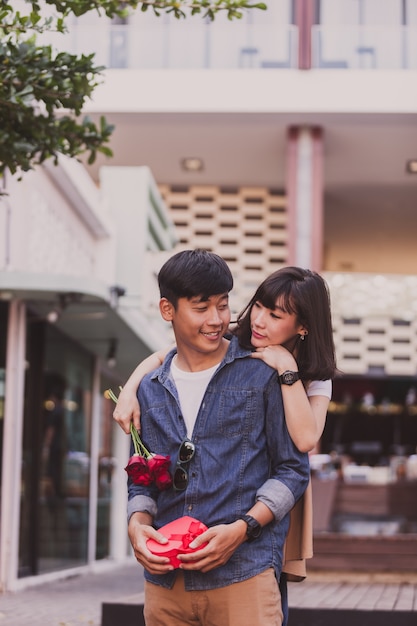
180	533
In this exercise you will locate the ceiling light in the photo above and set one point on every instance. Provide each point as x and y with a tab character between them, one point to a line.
53	316
411	166
192	164
111	353
116	292
64	300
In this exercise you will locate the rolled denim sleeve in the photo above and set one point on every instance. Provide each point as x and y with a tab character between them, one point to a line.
140	504
277	497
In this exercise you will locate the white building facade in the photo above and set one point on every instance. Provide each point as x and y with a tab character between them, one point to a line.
75	260
300	123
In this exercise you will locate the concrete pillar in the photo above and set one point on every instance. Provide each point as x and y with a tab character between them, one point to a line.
304	18
12	445
305	196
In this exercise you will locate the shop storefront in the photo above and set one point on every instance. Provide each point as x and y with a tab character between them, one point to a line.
70	328
63	486
365	479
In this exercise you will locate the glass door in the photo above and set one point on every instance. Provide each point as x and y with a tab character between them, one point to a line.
56	452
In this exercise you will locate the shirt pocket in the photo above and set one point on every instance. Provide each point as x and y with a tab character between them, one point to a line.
235	408
160	428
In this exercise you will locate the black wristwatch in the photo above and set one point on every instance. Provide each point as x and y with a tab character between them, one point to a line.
254	529
289	377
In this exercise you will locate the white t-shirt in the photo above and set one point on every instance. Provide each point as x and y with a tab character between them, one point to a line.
191	387
320	388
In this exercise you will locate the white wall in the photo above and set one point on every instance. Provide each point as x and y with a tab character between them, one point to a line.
370	233
254	91
46	231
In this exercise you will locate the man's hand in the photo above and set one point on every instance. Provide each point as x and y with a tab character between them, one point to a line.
222	541
140	530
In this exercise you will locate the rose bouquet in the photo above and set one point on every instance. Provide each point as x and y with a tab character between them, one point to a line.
144	467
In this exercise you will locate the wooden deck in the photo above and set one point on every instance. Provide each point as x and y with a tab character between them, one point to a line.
364	596
363	599
325	599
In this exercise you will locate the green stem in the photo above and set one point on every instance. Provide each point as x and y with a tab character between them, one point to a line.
112	396
137	443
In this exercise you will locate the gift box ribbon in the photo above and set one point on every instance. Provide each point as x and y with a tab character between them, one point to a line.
196	528
178	542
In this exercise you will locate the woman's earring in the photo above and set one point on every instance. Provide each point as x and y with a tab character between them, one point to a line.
302	337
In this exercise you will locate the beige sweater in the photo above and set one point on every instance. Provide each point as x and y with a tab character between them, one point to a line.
299	543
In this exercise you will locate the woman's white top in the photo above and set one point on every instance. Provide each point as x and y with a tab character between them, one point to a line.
320	388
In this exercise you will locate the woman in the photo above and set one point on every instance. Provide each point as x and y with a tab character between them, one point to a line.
288	324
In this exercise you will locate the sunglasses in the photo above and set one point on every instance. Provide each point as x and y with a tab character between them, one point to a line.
185	454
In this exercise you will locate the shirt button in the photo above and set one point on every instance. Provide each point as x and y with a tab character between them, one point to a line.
190	507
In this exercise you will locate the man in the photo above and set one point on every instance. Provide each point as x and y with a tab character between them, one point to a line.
243	475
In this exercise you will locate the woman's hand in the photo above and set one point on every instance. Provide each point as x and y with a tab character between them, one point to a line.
277	357
127	409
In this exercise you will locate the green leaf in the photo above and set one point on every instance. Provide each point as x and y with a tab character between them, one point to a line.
37	83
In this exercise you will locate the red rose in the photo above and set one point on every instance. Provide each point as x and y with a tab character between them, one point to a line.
143	467
163	480
159	469
138	470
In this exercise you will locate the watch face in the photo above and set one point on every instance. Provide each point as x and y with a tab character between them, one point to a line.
289	378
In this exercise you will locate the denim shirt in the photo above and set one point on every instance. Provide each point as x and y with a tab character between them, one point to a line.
243	454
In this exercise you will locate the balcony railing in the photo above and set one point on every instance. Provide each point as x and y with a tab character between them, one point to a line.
364	47
173	44
184	46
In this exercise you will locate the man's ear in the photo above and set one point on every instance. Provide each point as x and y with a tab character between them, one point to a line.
166	309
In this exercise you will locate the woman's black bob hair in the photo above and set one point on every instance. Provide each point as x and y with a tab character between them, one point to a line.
304	293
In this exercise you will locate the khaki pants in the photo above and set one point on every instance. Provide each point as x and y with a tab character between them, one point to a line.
253	602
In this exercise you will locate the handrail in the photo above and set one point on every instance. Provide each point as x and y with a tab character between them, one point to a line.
364	47
183	46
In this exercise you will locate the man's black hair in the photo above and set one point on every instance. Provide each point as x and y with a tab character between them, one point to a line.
193	273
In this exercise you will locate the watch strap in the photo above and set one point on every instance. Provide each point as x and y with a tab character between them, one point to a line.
254	529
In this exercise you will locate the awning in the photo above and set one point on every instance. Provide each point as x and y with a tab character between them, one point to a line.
89	312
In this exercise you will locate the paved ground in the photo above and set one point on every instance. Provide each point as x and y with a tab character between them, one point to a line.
78	600
73	601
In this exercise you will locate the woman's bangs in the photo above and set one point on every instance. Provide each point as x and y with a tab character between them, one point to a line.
271	299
